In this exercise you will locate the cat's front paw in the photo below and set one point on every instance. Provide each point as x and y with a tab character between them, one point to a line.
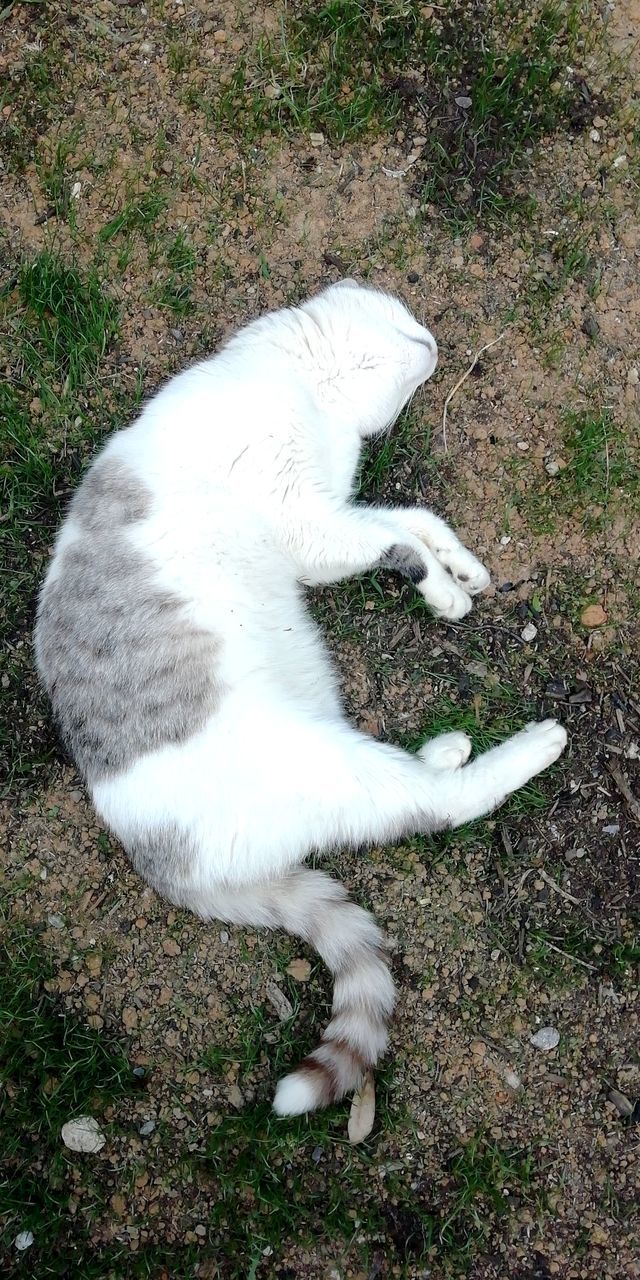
467	570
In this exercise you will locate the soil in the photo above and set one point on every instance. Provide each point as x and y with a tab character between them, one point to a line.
527	923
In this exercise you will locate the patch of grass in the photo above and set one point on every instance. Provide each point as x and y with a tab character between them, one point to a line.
57	324
52	1068
598	463
482	82
56	174
598	481
254	1161
176	289
139	213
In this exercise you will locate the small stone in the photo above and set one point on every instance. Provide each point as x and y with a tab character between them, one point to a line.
220	37
224	937
463	102
200	1230
75	190
147	1128
278	1000
56	922
23	1240
476	270
83	1134
594	134
316	139
593	616
414	278
299	969
529	632
611	829
620	161
599	123
590	325
633	377
171	947
546	1038
551	467
146	47
523	446
512	1079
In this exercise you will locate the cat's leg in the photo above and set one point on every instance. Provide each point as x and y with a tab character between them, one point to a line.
329	542
467	570
359	791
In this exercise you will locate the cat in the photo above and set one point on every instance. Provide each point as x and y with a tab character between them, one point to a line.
192	688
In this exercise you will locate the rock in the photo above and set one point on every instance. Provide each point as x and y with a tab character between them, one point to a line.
147	1128
277	998
593	616
56	922
590	325
463	102
316	139
83	1134
171	947
23	1240
363	1111
546	1038
551	467
299	969
529	632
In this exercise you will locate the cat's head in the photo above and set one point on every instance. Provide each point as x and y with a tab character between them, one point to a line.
370	354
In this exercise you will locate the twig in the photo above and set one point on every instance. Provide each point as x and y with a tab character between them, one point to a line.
463	378
567	955
624	788
556	887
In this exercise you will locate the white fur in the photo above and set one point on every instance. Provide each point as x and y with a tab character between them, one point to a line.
250	458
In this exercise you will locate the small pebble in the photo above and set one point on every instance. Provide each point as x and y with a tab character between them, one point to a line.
316	139
23	1240
56	922
551	467
83	1134
529	632
147	1128
546	1038
463	102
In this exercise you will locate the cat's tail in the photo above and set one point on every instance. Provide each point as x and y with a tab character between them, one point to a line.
313	907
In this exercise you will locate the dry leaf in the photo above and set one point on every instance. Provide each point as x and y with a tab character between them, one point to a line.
363	1111
278	999
299	969
83	1134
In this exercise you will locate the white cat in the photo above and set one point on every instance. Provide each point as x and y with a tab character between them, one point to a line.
189	682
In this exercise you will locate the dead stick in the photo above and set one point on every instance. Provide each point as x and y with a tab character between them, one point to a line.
462	379
624	788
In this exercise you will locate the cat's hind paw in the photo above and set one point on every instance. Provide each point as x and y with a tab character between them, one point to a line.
447	751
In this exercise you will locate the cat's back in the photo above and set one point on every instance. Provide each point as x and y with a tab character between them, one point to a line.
126	668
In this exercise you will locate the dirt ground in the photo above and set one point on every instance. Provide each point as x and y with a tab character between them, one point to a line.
490	1157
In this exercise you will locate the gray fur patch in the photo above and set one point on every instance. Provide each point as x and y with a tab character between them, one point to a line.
165	857
404	560
125	670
